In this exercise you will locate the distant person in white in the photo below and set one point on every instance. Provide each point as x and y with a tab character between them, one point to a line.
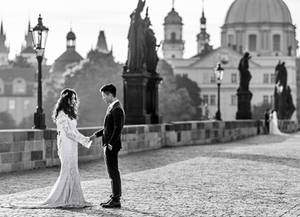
274	130
66	192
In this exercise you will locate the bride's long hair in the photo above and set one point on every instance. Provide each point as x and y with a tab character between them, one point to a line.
64	104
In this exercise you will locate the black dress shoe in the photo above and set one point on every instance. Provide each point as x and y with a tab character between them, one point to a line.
107	202
112	204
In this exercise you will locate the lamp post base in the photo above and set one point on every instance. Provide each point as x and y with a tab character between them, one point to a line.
218	115
39	120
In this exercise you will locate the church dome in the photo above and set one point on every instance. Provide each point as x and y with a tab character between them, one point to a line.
71	35
173	18
258	11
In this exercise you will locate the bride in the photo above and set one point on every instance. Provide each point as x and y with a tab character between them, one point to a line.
67	191
274	130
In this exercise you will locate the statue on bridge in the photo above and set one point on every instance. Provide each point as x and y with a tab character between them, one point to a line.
140	77
136	40
243	93
151	58
245	75
282	93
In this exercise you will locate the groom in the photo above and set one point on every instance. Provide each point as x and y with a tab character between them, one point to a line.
111	138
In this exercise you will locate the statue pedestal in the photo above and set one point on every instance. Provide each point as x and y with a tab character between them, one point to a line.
244	104
141	98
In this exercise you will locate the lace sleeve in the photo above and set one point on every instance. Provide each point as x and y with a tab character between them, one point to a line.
72	133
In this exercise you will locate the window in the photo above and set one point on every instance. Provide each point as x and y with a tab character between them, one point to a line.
273	78
276	42
233	100
205	99
252	42
233	78
272	99
173	36
266	79
265	99
213	99
213	79
1	87
26	104
230	40
11	104
206	77
264	40
19	86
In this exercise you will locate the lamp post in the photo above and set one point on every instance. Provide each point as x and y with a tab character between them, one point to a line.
39	37
219	75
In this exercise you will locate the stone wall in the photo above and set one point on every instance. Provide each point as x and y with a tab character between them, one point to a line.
31	149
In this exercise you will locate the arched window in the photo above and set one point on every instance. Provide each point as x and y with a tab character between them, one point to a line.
252	42
276	42
1	86
19	86
173	36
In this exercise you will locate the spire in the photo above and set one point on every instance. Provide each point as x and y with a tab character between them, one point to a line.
29	27
203	18
1	30
3	47
71	39
173	2
101	43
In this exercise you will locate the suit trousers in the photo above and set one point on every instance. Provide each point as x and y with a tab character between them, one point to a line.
111	161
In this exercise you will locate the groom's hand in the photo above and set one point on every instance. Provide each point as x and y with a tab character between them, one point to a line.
92	137
109	147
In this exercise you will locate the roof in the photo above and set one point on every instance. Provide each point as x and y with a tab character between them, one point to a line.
173	18
258	11
101	43
71	35
68	57
9	73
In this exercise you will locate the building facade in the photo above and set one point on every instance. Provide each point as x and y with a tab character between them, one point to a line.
251	26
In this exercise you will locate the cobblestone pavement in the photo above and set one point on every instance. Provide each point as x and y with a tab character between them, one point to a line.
258	176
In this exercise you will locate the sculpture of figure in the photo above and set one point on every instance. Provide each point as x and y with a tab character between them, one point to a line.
151	57
136	40
282	94
281	75
245	75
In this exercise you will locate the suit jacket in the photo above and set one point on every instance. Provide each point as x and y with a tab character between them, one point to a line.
113	125
267	118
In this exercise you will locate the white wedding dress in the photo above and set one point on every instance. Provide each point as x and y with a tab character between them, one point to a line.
67	191
274	130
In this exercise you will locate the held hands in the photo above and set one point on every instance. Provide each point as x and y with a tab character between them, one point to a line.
92	137
109	146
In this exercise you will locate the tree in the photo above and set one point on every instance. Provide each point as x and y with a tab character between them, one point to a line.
183	81
259	110
27	123
86	78
7	121
175	102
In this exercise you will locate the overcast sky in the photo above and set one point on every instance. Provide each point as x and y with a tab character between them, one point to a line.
88	17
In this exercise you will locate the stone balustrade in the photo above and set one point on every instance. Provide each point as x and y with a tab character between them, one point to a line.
31	149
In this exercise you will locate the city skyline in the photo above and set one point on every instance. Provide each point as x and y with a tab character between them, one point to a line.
87	18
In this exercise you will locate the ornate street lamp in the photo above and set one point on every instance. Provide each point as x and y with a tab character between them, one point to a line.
39	37
219	75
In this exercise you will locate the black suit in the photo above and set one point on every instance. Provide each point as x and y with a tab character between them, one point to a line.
267	122
111	134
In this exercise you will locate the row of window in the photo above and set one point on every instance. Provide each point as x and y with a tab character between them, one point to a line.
267	78
252	42
19	86
12	104
211	99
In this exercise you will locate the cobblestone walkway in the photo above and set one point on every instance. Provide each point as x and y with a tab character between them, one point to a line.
255	177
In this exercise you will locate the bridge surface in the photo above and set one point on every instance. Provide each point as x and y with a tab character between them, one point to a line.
258	176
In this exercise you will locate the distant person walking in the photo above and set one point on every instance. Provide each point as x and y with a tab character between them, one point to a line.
267	121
